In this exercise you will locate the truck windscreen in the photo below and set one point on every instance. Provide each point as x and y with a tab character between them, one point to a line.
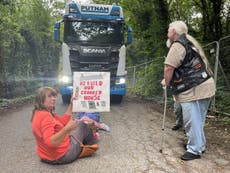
93	32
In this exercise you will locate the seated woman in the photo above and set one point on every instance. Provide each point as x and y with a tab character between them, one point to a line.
60	139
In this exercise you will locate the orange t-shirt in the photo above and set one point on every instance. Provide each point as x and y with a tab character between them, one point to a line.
44	126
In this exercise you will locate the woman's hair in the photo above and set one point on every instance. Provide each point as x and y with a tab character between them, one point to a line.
181	28
40	98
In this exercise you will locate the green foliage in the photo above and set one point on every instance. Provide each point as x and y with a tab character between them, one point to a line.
6	103
223	100
108	2
148	79
28	51
226	119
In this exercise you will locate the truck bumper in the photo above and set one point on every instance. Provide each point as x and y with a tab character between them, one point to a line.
66	90
118	90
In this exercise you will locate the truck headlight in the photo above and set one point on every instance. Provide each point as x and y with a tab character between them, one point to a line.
120	80
65	79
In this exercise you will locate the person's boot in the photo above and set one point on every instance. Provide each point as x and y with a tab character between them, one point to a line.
189	156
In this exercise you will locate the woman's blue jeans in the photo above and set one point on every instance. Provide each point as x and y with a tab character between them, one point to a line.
194	113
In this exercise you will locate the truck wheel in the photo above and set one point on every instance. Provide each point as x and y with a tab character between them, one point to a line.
66	99
116	98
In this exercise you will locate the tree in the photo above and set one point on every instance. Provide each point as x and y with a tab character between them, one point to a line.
28	51
205	18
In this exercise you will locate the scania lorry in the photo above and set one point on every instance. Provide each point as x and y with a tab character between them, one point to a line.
94	38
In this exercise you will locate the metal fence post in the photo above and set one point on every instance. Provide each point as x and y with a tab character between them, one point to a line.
213	106
226	79
134	76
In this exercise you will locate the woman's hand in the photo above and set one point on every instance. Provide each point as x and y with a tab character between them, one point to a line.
71	125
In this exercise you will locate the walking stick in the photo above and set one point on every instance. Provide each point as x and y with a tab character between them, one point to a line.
163	124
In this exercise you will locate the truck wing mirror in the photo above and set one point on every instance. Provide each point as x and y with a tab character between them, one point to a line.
57	31
129	36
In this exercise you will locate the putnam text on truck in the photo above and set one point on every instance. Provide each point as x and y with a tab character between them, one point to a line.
97	9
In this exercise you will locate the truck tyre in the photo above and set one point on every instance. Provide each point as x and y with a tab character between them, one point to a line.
116	98
66	99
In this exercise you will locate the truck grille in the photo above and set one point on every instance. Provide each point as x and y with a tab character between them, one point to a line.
95	63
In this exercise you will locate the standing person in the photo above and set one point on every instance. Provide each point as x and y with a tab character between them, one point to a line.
60	139
179	116
177	109
187	71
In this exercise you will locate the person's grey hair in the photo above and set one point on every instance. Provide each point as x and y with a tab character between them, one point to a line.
179	26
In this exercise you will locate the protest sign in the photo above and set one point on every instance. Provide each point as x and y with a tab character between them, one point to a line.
91	91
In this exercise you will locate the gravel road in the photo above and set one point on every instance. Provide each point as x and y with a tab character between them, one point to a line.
132	146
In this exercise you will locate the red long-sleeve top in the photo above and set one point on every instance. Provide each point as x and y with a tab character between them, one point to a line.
44	126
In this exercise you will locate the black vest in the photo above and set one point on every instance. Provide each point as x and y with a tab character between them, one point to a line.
192	71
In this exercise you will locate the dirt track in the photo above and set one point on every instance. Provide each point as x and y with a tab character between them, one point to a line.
132	146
